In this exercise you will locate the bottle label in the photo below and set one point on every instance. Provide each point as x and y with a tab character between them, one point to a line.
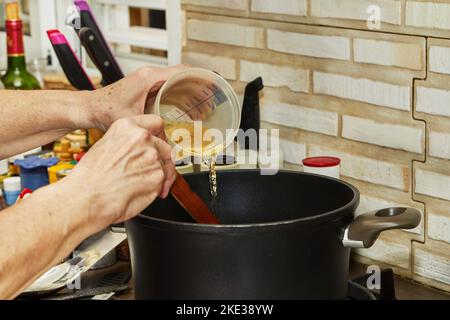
14	38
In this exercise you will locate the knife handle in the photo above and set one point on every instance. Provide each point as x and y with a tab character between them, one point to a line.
69	62
98	50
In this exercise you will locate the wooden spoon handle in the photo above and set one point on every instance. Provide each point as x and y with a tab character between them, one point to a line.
191	202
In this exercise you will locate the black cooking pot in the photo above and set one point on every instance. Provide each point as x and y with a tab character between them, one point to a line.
285	236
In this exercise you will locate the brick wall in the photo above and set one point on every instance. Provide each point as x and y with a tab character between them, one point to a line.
379	99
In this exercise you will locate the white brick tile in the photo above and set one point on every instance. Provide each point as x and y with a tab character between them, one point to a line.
439	59
226	67
367	169
289	7
364	90
357	9
367	204
439	227
388	53
299	117
225	4
387	252
276	76
439	144
433	101
333	47
432	184
428	14
293	152
432	266
387	135
232	34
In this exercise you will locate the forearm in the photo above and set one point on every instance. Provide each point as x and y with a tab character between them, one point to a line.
40	231
32	118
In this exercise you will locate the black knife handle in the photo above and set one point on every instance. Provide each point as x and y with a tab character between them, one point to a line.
72	68
98	50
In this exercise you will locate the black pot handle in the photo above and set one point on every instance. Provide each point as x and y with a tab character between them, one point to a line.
365	229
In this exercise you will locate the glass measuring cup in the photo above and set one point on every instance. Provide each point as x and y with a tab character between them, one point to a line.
201	112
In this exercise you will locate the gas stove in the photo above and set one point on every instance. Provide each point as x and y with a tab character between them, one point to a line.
357	287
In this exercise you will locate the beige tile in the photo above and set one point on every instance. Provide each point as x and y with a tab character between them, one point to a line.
383	134
288	7
226	33
364	90
390	10
300	117
432	184
332	47
428	14
432	264
225	4
367	169
433	101
439	59
225	66
276	75
388	53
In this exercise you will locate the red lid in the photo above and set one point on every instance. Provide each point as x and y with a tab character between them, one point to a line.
321	162
78	156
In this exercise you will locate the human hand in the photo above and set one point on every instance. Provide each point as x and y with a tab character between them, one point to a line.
127	97
125	170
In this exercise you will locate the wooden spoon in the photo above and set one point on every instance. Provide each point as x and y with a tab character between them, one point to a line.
191	202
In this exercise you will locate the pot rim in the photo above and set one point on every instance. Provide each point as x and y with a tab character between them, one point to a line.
330	215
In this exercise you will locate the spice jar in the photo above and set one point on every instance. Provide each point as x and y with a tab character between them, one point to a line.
327	166
11	188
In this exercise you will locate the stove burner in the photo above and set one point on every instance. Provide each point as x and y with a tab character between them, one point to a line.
357	289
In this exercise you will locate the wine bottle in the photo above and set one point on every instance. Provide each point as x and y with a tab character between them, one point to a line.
17	76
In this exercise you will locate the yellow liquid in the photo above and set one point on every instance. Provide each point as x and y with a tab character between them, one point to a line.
177	138
210	161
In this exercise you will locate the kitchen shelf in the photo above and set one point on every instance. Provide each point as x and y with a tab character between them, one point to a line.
148	4
150	38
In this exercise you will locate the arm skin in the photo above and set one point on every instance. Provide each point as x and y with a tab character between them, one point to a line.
38	233
34	118
119	177
29	119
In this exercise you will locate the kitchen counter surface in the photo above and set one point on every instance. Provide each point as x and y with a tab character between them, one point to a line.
405	289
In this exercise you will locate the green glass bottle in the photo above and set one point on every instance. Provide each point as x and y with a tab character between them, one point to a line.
17	76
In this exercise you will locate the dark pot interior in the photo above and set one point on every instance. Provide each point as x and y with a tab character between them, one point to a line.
247	197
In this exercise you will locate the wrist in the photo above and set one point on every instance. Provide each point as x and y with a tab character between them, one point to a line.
84	115
75	207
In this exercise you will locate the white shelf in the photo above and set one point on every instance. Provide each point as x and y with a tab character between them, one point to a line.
143	37
133	61
148	4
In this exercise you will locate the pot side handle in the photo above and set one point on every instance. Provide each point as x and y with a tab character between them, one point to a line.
365	229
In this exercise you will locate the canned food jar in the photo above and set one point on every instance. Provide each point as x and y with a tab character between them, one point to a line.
11	188
53	171
326	166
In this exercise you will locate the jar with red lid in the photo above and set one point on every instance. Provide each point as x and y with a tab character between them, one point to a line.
327	166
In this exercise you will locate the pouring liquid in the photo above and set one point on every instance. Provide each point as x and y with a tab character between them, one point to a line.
211	162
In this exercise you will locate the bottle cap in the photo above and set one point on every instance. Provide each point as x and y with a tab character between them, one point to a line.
12	184
12	10
321	162
32	162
